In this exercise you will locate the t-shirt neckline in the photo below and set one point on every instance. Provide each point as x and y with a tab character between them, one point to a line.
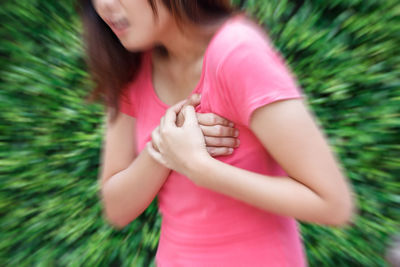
149	65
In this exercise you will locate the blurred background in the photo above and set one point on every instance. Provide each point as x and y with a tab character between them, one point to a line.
345	54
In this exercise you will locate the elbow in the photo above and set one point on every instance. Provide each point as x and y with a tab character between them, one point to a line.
113	221
341	207
344	218
114	218
111	214
342	213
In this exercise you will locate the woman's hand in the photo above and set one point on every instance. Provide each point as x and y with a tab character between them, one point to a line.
219	133
178	147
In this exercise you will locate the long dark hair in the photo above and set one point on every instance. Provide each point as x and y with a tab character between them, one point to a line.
111	66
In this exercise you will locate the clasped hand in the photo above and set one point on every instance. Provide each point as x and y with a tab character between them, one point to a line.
185	137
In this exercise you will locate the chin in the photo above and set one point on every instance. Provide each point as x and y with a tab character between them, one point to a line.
136	46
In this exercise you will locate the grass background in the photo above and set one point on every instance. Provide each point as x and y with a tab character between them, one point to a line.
345	54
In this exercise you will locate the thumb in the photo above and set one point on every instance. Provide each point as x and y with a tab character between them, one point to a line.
178	106
172	113
190	116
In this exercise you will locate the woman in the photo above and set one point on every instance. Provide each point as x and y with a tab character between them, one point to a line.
222	204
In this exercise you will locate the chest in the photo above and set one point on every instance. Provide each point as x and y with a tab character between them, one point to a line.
173	82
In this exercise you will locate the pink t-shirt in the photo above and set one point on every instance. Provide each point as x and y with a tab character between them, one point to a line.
241	72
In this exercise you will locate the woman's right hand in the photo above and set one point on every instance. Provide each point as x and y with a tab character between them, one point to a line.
219	133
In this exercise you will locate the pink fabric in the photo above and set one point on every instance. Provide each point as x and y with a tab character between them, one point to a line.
241	72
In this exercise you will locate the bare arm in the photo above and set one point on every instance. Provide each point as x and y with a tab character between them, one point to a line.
128	182
315	189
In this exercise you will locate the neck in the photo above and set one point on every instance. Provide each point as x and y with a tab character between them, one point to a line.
188	46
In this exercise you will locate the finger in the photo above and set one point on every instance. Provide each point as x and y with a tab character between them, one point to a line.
154	146
190	116
156	138
219	131
219	151
194	100
172	112
155	155
180	119
213	119
170	118
221	141
178	106
162	120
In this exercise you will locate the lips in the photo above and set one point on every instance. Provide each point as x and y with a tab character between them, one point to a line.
118	25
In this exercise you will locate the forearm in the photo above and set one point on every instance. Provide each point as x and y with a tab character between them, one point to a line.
280	195
129	192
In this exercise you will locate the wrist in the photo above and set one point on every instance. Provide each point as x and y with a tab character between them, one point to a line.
195	170
148	154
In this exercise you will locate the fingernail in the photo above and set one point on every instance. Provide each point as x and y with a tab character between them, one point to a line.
230	150
236	134
231	124
237	142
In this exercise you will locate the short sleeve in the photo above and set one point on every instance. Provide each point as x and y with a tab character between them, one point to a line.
253	75
125	103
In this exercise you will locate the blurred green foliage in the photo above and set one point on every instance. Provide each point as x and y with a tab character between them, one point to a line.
345	54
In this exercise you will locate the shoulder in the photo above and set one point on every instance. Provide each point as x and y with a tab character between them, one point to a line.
239	37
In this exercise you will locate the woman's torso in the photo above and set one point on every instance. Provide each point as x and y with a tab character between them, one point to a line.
201	227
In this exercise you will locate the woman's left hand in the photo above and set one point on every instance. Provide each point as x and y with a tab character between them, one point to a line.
178	147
